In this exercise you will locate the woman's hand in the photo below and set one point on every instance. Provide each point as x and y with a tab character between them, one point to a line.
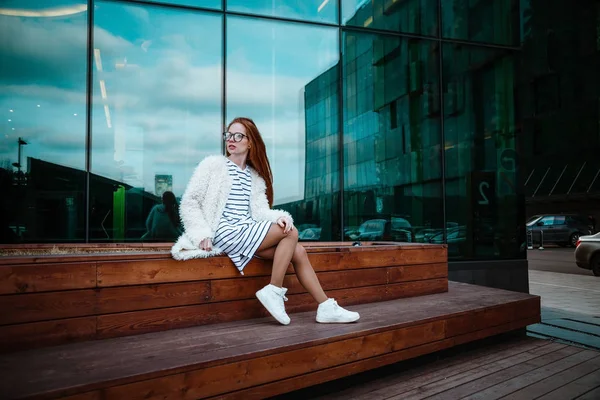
285	223
206	244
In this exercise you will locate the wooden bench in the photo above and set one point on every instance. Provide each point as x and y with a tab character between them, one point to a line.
60	299
227	348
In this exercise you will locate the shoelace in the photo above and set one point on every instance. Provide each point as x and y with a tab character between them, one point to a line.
283	296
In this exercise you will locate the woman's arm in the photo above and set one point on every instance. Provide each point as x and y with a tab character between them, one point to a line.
191	210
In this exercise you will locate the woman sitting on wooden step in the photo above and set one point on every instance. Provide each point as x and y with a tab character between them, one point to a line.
226	208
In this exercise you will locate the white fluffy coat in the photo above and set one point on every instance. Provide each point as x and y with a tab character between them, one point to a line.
203	203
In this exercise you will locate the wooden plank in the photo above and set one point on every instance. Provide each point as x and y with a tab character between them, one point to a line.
48	333
31	307
576	388
145	297
440	369
551	383
216	380
139	272
593	394
415	288
506	381
245	288
96	395
490	316
417	272
433	388
145	321
46	277
315	378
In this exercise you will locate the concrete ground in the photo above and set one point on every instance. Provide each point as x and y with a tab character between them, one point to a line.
570	297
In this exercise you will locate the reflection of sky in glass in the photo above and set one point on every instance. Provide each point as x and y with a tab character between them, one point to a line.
157	85
42	80
267	84
157	92
307	10
194	3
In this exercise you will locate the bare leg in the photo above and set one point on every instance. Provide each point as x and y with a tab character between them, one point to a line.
304	271
284	244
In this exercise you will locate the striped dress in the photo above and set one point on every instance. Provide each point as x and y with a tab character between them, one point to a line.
238	235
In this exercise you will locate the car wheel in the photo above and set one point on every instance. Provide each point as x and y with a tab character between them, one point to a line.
595	264
573	239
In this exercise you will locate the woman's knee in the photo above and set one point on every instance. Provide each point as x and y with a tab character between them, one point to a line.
299	252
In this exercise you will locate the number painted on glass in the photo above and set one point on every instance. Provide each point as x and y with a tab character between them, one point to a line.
484	200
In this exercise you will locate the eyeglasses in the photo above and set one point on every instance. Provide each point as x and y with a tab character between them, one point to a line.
237	137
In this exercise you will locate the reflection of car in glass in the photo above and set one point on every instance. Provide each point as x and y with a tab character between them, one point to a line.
455	237
397	230
309	232
372	229
562	229
401	230
587	253
423	235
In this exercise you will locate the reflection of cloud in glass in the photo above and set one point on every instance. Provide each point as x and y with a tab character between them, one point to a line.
42	80
307	10
267	84
158	75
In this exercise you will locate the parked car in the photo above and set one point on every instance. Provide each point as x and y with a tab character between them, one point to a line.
562	229
587	253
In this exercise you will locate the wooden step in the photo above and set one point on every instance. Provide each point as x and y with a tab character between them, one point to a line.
258	358
59	299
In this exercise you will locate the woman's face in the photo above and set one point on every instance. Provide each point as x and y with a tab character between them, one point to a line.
237	131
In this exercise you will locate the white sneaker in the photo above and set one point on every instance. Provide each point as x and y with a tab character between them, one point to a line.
330	312
272	298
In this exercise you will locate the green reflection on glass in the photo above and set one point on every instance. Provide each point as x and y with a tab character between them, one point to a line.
305	10
481	164
489	21
286	81
412	16
392	135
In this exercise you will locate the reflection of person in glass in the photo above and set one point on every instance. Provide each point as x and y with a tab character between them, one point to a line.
226	208
163	221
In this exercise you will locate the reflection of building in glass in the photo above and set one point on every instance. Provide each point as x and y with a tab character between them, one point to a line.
163	183
559	89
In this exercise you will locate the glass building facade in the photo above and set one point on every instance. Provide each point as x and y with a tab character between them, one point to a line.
403	120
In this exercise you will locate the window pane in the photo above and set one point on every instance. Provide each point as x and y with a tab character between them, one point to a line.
306	10
481	167
156	113
392	139
42	105
489	21
284	76
194	3
407	16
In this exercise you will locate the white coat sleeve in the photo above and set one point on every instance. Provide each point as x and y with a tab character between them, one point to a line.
191	211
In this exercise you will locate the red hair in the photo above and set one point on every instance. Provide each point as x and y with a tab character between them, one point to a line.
257	154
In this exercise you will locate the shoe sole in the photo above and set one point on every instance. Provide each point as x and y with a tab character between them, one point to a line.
259	297
331	321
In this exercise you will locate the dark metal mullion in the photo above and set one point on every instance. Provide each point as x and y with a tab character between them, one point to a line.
341	120
88	115
442	116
